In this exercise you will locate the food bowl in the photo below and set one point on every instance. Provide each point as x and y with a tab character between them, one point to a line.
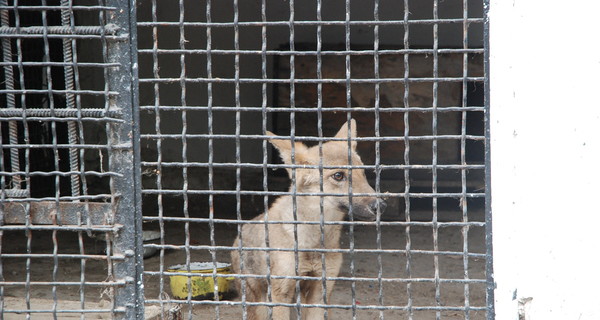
201	287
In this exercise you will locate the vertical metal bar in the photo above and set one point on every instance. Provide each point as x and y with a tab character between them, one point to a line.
434	146
293	153
102	20
348	84
211	158
184	150
2	201
159	160
27	155
489	265
24	123
57	218
125	162
409	304
10	99
463	162
66	21
82	178
320	134
54	273
72	132
238	182
263	14
377	154
136	172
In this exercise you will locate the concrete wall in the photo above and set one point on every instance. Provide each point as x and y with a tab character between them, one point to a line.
545	120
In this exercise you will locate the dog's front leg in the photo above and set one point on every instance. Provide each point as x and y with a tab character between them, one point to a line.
283	290
312	291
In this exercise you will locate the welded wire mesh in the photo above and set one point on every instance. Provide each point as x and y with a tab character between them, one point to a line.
63	156
215	76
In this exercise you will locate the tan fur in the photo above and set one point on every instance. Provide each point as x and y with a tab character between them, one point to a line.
281	236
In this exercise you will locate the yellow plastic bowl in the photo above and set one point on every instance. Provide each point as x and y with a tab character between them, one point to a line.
202	287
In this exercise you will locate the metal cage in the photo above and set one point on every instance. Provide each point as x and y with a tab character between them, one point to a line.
116	187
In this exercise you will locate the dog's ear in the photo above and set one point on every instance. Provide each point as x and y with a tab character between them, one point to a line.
285	150
343	132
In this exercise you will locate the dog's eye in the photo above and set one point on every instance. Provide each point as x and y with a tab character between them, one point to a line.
338	176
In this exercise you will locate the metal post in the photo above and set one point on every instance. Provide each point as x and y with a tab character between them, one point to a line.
125	189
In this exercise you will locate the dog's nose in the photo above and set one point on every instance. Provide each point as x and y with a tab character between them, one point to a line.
382	205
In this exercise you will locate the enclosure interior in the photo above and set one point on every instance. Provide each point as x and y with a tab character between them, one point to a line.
214	77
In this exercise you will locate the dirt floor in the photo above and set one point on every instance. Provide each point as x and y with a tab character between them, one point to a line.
366	265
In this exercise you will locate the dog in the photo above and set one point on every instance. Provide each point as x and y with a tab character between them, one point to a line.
308	208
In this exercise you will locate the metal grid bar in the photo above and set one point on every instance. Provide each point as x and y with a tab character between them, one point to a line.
307	81
297	23
203	165
66	29
310	52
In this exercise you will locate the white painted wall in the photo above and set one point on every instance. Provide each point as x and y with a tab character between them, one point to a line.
545	140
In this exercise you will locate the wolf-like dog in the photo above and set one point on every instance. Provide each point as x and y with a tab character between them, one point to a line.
308	208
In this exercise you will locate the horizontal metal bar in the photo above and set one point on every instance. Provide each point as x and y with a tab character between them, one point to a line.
60	113
178	192
326	306
101	197
48	8
73	228
298	23
61	256
109	29
37	311
59	64
65	283
310	52
313	278
63	36
311	81
48	212
317	250
287	166
342	223
65	146
63	119
56	91
150	108
59	173
306	138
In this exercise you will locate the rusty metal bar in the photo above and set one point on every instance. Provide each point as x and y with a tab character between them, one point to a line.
128	241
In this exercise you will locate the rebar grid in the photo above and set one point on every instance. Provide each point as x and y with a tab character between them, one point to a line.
208	152
67	104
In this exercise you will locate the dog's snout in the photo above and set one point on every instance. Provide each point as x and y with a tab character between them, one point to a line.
381	203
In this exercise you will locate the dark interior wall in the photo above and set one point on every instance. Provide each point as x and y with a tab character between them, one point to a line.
169	65
250	38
